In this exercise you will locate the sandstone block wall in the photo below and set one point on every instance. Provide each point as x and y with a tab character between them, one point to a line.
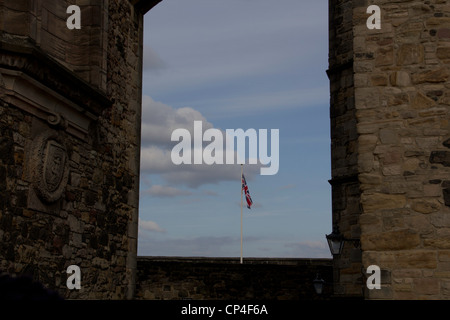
402	100
401	121
43	22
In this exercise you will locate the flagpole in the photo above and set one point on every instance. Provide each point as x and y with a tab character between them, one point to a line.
242	203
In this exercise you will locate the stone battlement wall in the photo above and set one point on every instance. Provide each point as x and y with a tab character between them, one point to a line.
168	278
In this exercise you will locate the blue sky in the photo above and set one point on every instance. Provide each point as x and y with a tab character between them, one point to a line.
236	64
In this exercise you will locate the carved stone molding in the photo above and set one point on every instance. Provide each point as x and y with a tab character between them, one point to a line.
28	94
35	83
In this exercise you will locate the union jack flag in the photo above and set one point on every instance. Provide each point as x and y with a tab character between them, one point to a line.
247	194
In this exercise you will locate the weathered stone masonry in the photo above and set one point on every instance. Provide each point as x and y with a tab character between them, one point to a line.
344	146
167	278
390	130
70	105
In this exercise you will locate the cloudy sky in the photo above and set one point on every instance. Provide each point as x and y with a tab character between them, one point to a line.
249	64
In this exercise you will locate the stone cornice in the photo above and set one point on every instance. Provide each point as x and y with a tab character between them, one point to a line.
31	61
35	83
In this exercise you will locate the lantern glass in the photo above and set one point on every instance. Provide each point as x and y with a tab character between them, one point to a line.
335	241
318	284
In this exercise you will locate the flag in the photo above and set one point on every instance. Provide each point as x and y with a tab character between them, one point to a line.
247	194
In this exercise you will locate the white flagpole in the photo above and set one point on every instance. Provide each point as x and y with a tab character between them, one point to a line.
242	203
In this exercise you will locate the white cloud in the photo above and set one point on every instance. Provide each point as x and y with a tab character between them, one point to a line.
155	160
158	122
197	175
150	226
164	191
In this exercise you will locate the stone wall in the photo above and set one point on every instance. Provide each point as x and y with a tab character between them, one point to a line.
403	102
43	22
401	115
166	278
70	106
344	146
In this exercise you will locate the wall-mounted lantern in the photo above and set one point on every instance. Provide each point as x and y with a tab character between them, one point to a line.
318	283
336	241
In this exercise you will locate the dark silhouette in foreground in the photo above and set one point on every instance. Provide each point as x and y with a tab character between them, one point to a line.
24	288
